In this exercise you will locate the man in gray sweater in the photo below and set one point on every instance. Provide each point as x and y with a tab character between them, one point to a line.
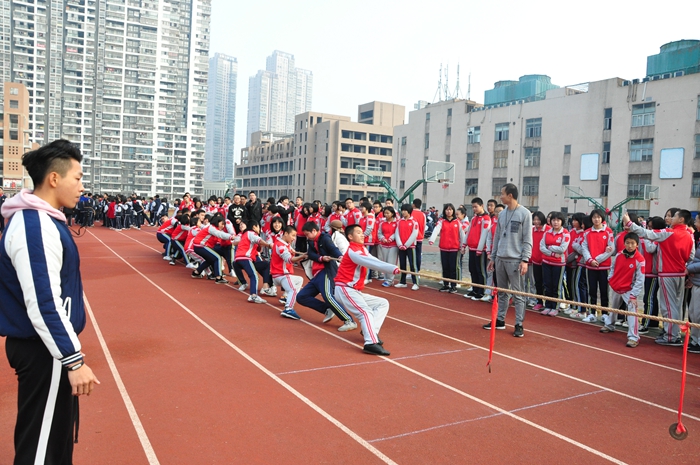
510	253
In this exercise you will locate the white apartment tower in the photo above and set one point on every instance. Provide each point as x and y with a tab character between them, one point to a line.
126	80
221	118
277	94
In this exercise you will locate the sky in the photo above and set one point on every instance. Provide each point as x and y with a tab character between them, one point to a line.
392	51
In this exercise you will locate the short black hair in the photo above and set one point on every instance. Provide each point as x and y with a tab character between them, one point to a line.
407	207
351	228
685	214
633	236
598	212
511	189
657	223
540	215
289	229
53	157
557	216
310	226
350	199
417	203
367	205
478	201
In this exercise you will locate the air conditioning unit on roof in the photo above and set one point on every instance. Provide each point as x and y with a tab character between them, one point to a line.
625	83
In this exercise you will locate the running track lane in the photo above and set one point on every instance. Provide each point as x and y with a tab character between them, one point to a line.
433	424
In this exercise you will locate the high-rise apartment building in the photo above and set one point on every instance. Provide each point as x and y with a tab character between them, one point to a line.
14	132
277	94
221	118
126	80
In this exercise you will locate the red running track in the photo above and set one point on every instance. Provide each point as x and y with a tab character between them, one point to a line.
206	377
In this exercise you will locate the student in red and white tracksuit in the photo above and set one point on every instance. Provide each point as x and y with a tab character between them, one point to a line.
178	237
626	280
675	250
554	248
463	219
368	224
353	214
539	227
204	244
335	215
386	235
164	235
597	248
369	310
406	235
477	234
194	259
448	228
420	218
281	261
246	259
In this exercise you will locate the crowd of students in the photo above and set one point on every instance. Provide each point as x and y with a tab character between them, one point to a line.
580	260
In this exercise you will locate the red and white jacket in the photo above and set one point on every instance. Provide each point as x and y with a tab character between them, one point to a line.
492	236
352	217
537	235
675	248
354	265
593	246
281	259
573	256
180	232
229	229
554	247
211	209
648	251
449	232
407	231
368	223
191	235
419	216
209	235
168	226
386	236
248	246
478	232
627	274
332	217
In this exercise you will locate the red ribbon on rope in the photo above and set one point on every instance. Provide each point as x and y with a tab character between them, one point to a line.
494	315
677	430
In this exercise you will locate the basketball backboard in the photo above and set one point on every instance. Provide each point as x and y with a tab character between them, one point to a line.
439	171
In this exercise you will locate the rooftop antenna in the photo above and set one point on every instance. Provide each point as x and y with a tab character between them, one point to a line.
456	96
469	87
438	94
447	77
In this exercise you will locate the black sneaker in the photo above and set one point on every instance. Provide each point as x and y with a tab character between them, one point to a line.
693	348
665	341
196	275
444	289
471	294
518	331
643	330
500	324
375	349
453	290
220	280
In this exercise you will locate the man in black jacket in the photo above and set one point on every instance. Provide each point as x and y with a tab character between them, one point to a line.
253	209
285	210
322	250
236	212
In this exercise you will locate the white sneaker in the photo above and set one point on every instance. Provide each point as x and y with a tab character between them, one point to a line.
167	257
256	299
589	319
242	287
270	291
415	287
329	315
192	266
563	305
486	298
458	286
399	285
348	326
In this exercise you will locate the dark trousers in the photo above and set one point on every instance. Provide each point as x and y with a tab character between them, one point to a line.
165	240
570	282
252	269
419	255
409	254
225	252
477	268
552	278
539	281
450	262
300	245
581	289
322	284
651	299
598	281
212	260
42	385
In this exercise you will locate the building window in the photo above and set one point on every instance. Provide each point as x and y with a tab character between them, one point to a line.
15	91
474	135
531	185
449	131
496	186
447	157
532	156
604	179
500	159
695	186
644	114
564	180
366	114
502	131
606	153
607	122
636	183
403	140
427	140
402	184
567	150
449	112
697	145
641	149
427	116
471	186
14	103
533	127
473	161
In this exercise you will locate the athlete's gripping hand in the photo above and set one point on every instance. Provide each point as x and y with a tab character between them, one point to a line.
82	380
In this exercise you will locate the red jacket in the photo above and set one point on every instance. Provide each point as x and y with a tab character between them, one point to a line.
281	259
168	227
209	235
537	235
387	231
352	216
449	232
555	243
354	265
248	246
675	248
407	231
419	216
593	246
478	232
368	225
627	274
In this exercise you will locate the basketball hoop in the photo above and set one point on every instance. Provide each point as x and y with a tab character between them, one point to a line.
445	185
656	201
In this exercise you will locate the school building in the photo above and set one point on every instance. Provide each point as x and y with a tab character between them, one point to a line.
607	139
319	160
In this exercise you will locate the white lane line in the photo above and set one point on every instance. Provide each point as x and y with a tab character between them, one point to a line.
461	422
580	344
461	341
394	362
135	420
258	365
330	367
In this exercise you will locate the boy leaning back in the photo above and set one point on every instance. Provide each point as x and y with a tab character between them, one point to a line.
369	310
626	282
